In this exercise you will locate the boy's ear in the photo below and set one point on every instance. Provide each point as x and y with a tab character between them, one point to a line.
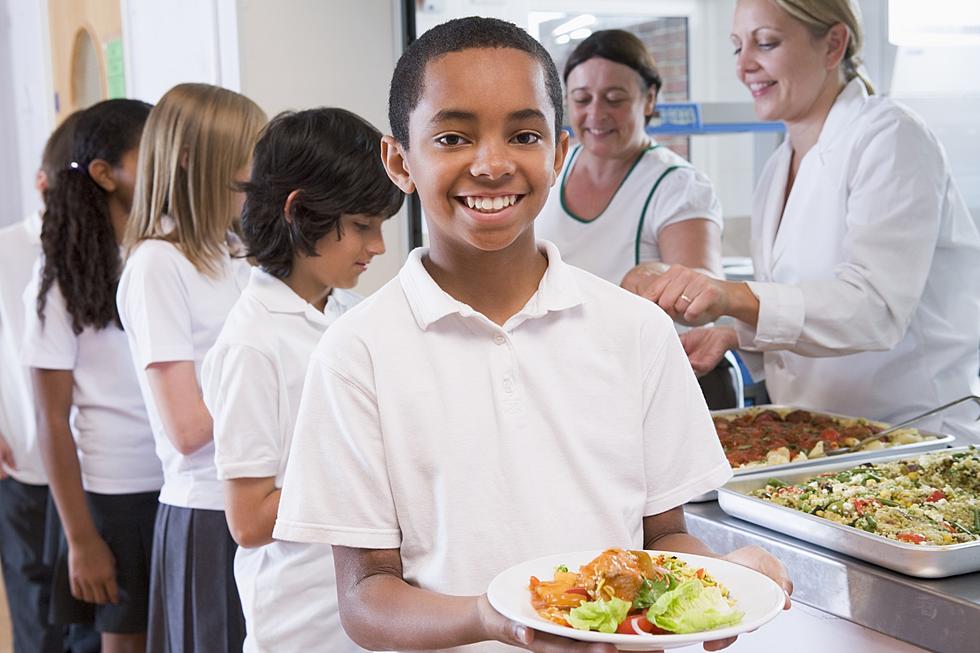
396	164
287	208
101	173
561	149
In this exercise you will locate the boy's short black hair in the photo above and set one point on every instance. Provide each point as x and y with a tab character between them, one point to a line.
333	157
454	36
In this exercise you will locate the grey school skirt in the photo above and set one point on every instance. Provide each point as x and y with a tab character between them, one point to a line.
194	604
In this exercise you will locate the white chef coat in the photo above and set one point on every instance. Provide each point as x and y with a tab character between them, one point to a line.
869	279
20	245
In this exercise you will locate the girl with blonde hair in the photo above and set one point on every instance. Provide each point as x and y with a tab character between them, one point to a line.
867	261
182	277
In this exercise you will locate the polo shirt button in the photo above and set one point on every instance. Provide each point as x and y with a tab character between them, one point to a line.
508	386
499	339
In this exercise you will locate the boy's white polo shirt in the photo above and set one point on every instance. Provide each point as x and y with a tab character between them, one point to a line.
108	419
471	447
252	381
173	312
20	245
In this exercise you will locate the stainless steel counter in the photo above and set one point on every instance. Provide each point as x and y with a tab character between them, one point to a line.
941	615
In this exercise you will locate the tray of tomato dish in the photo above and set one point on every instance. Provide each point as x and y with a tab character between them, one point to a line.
637	600
768	438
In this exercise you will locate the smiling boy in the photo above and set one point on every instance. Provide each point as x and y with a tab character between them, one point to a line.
491	404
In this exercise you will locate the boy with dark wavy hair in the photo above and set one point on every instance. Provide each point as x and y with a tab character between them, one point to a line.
314	206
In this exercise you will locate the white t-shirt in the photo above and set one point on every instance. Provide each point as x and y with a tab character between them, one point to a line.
108	420
252	381
172	312
472	447
659	190
20	245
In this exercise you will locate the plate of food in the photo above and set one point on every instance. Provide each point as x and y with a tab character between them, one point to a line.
636	600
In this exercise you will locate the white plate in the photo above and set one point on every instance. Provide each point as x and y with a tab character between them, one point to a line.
758	596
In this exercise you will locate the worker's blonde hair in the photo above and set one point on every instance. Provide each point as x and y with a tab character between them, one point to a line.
820	15
195	140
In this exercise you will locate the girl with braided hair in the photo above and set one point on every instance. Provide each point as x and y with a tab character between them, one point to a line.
96	441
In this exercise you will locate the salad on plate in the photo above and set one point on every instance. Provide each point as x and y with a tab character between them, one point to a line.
634	592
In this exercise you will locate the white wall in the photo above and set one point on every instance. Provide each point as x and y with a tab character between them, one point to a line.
166	43
297	54
26	112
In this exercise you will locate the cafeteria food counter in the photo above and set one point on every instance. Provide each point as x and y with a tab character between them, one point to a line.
940	615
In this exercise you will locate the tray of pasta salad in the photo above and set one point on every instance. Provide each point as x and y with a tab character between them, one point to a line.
918	514
636	600
769	438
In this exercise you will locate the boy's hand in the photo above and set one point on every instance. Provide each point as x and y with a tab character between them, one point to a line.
499	628
92	571
705	347
755	557
6	458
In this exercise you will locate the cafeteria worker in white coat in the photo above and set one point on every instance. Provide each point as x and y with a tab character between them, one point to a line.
867	261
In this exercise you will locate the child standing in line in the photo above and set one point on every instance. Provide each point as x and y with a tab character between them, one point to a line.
180	281
492	404
24	494
92	426
312	222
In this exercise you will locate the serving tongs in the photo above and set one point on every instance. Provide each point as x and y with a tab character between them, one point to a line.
877	436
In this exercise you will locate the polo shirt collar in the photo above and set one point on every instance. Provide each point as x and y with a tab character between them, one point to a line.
277	297
429	303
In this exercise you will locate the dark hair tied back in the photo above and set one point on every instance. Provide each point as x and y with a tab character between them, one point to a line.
77	239
618	46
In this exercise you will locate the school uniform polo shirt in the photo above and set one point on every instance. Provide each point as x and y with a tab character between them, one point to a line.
173	312
112	432
20	245
252	380
471	447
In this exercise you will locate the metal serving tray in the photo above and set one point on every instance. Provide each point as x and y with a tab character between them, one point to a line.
921	560
940	441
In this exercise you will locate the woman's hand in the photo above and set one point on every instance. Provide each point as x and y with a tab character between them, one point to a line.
92	571
691	297
705	347
499	628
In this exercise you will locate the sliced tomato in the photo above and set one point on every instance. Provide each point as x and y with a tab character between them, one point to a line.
829	435
913	538
860	505
936	496
637	624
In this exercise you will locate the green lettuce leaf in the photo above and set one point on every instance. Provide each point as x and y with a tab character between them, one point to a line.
692	608
604	616
651	590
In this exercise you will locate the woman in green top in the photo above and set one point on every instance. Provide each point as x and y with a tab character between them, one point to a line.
623	199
